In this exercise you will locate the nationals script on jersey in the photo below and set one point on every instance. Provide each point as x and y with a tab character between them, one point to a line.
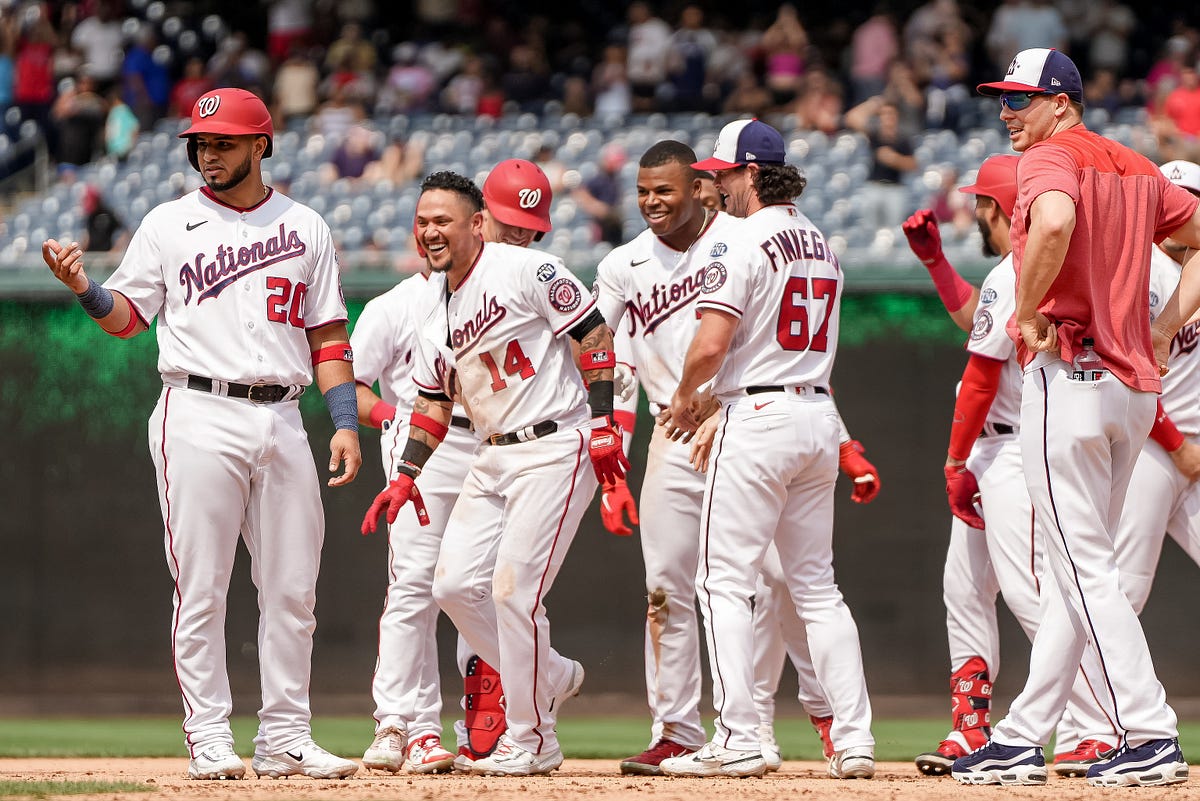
649	290
506	329
989	338
787	283
1181	384
236	288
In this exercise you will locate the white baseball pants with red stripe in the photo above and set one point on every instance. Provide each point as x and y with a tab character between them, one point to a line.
1079	443
230	469
504	544
771	478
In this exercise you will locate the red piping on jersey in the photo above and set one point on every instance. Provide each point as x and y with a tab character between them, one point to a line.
537	601
175	561
717	305
208	193
334	321
470	269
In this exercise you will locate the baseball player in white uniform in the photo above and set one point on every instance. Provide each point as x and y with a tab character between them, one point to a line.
767	336
984	466
406	686
498	342
647	290
244	282
1164	497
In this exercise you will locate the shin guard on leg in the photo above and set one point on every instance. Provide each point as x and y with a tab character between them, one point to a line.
971	701
484	707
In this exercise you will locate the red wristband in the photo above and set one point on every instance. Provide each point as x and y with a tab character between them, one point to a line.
427	423
626	420
381	412
1164	431
597	359
339	352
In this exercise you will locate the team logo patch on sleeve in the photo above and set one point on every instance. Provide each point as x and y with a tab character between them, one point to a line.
982	327
546	273
987	296
714	277
718	250
564	295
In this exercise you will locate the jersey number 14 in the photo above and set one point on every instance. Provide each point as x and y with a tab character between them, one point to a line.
516	363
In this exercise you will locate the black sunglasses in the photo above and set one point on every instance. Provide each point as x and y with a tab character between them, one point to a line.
1019	101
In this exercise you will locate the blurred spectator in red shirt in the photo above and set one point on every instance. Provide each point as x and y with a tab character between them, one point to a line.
1178	127
190	87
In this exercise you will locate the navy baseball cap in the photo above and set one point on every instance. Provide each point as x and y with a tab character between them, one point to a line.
1038	70
745	142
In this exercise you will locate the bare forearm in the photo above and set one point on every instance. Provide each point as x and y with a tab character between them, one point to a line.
1052	221
1184	301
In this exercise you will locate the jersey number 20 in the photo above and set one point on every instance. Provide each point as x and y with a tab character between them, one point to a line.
284	305
794	329
515	363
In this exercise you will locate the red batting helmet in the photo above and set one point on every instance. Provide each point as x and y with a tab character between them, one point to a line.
517	192
228	111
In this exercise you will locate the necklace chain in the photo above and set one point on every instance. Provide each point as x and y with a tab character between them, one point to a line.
696	238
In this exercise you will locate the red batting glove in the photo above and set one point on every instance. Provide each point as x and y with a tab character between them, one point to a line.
615	502
854	464
962	490
604	449
923	236
398	493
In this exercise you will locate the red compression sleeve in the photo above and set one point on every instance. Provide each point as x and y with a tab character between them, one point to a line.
1164	431
427	423
951	287
380	412
980	380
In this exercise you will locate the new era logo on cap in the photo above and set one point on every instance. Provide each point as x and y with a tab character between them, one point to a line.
745	142
1183	173
1038	70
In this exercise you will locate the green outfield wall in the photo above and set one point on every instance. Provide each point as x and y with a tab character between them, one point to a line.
85	596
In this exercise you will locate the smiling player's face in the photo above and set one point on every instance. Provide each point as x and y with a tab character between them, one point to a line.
449	230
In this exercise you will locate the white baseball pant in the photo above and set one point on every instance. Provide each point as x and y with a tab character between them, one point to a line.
505	542
1079	443
228	468
775	482
406	686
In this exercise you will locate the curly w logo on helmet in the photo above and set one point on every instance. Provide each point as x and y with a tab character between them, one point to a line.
207	106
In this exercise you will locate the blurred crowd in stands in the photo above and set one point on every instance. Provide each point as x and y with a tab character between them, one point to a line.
93	73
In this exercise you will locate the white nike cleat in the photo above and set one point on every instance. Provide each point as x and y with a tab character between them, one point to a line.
308	759
510	759
716	760
387	751
426	755
857	762
770	748
217	761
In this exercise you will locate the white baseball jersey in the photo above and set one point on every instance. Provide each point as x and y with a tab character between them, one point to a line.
792	272
236	288
506	326
648	289
1180	398
989	337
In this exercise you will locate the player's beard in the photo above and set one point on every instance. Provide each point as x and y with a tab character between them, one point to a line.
236	176
985	231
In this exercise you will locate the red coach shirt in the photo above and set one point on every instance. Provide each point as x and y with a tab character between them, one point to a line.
1123	205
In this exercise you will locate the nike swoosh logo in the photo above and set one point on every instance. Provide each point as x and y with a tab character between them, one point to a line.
194	226
758	407
298	756
636	263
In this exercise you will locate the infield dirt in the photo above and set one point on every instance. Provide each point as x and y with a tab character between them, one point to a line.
594	780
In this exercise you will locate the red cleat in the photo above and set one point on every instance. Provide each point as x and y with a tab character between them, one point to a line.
647	763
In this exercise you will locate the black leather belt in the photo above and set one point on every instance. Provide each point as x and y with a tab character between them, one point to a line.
761	390
997	429
255	393
535	431
460	421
